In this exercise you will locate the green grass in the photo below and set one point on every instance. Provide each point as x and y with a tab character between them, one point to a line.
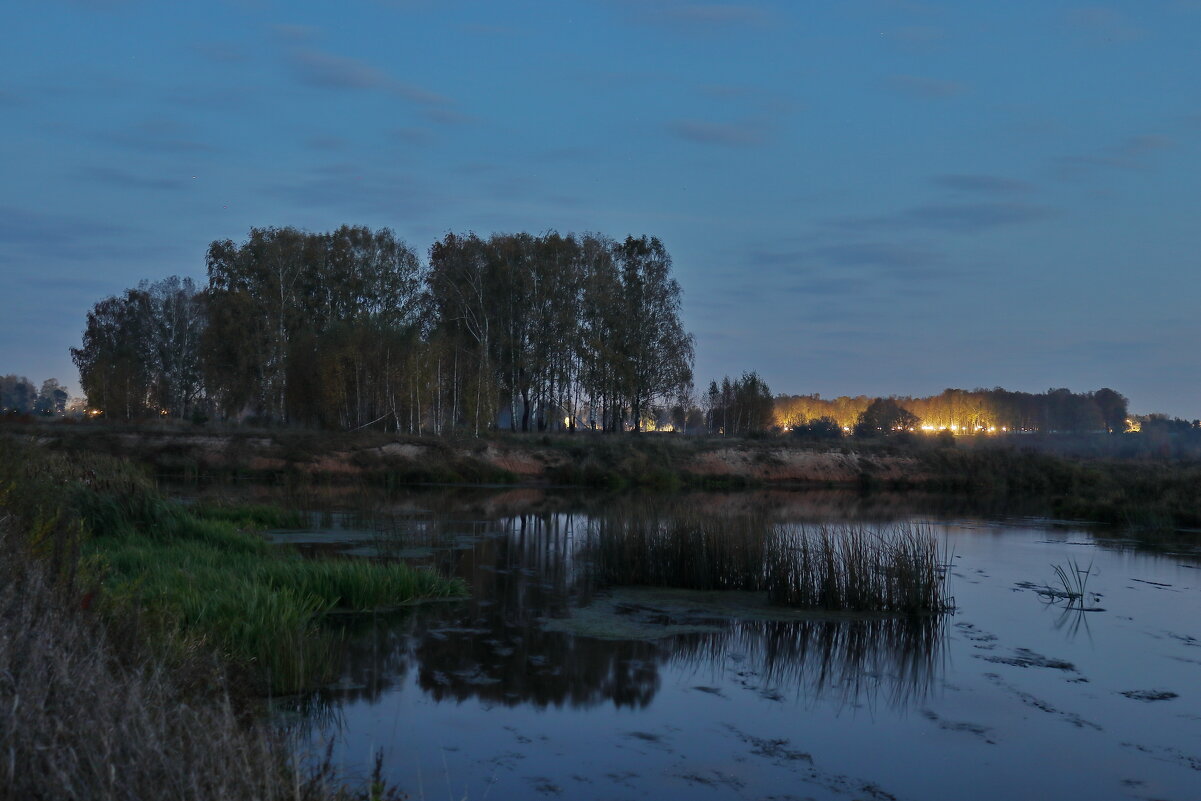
197	575
259	605
257	516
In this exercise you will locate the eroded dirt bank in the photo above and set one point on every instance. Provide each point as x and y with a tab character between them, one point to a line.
579	459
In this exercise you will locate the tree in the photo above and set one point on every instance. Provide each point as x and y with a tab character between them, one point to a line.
1113	408
883	416
655	352
17	394
115	362
52	400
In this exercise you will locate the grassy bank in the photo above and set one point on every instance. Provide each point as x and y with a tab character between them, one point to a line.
130	627
1138	493
202	574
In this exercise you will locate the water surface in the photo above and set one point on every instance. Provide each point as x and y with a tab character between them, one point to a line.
1014	695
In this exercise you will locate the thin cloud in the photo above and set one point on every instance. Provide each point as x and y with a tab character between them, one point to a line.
973	217
691	17
1104	25
900	258
413	136
712	133
917	36
321	70
160	136
961	218
295	34
128	180
222	52
346	188
448	116
982	184
325	143
924	88
1131	153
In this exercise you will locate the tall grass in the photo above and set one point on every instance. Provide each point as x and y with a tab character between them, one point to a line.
259	605
835	568
90	708
192	576
854	568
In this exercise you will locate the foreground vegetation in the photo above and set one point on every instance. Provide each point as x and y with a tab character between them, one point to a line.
134	631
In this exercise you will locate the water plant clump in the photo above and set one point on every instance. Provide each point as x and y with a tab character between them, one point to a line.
1073	580
857	569
834	568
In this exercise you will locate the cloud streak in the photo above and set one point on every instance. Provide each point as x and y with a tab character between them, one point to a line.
127	180
924	88
745	134
956	218
682	16
983	184
1132	153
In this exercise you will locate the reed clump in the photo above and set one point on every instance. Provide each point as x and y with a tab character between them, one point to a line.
854	568
834	568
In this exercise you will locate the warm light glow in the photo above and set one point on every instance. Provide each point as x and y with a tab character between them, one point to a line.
1133	425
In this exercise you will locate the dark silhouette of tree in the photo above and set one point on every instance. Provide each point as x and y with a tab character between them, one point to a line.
884	416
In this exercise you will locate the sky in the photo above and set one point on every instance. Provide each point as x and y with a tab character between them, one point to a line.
860	197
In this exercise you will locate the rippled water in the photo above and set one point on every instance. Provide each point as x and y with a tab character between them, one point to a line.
1014	695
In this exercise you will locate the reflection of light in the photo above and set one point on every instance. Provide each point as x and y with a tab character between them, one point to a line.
846	428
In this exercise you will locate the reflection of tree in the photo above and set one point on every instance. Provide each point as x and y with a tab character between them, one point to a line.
493	647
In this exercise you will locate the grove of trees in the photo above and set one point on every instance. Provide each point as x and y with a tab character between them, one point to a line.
967	411
19	395
351	328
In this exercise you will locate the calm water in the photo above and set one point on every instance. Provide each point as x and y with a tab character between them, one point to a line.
1012	696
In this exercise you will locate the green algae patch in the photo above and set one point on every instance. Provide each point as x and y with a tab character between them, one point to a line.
652	613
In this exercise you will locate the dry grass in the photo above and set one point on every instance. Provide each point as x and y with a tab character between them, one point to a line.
85	715
92	705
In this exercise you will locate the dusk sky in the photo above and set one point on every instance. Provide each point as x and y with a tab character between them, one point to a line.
859	196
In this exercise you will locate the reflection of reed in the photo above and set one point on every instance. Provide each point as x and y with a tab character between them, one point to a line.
854	660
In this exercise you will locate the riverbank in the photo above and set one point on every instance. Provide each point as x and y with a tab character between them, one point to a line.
138	637
1100	478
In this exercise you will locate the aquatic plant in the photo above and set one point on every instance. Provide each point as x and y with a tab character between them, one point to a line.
851	568
1073	580
896	569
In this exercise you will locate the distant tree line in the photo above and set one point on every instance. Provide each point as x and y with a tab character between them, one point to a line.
20	396
351	328
960	411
